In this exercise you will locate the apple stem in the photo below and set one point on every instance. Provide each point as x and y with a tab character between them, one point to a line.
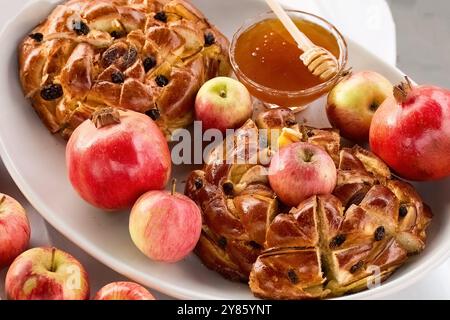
345	74
223	94
2	200
174	186
402	90
105	117
374	107
307	156
52	266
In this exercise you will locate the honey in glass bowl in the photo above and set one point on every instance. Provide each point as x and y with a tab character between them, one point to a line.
266	59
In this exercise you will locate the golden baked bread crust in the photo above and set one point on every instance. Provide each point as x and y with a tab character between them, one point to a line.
150	56
329	245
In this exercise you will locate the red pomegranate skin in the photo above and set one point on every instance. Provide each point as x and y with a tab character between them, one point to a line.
412	135
112	166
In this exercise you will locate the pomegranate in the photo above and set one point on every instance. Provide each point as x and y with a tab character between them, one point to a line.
116	157
411	132
165	226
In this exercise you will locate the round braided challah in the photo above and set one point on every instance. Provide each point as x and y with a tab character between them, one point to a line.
330	244
150	56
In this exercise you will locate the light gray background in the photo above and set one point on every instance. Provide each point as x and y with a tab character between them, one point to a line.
423	34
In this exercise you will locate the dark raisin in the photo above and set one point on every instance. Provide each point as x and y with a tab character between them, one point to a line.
130	57
154	114
117	77
337	241
310	134
198	183
51	92
293	278
291	122
209	39
380	233
80	27
255	245
356	199
228	188
117	34
356	267
161	16
161	80
403	211
222	242
38	37
149	63
111	55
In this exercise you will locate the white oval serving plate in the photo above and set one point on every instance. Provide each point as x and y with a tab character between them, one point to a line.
35	160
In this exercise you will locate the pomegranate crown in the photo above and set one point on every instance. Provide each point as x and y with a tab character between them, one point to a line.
105	116
402	90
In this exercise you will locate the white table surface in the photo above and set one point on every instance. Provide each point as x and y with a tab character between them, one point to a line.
375	30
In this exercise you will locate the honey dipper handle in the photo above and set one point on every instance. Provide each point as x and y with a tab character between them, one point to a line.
302	40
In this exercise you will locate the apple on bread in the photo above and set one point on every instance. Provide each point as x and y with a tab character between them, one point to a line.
329	245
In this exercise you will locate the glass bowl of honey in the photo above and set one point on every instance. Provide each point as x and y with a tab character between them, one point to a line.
266	59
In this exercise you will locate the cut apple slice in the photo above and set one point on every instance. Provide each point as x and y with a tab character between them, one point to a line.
288	136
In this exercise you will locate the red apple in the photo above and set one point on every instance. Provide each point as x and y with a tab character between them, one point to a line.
223	103
353	102
123	291
115	158
14	230
411	132
46	274
165	226
300	171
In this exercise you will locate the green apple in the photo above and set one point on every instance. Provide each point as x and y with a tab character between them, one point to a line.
353	102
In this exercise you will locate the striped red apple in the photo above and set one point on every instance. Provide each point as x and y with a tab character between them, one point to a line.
165	226
46	274
300	171
123	291
14	230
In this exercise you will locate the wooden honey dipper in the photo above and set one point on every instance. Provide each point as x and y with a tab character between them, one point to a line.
319	61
